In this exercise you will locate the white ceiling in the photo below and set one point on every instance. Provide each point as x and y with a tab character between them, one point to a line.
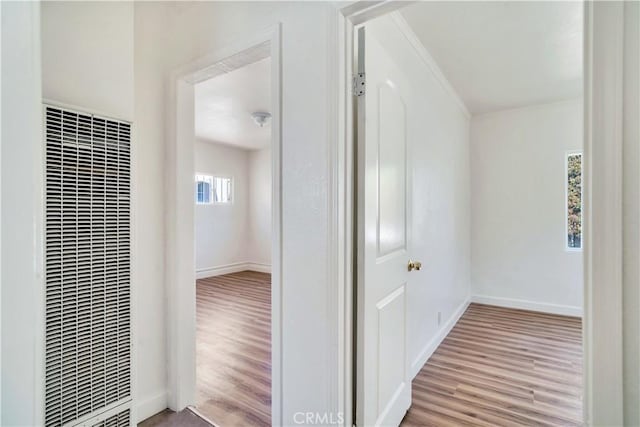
223	106
505	54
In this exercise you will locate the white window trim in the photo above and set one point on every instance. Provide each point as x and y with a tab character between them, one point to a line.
196	181
569	153
211	198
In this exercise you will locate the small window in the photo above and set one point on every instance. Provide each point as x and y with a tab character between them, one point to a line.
213	190
204	183
574	201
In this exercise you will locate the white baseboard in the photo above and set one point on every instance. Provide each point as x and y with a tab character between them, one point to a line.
565	310
149	406
201	273
433	344
259	267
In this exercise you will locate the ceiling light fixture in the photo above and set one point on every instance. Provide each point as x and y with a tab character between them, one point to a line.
261	118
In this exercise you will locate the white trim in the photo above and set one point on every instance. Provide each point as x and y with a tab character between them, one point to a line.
434	342
428	60
274	38
235	267
542	307
134	247
340	244
259	267
180	266
602	245
149	406
537	106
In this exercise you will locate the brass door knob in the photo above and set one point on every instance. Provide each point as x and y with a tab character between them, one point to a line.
414	265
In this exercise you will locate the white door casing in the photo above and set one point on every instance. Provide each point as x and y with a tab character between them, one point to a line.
383	200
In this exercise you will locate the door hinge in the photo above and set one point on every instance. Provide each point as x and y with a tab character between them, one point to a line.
359	84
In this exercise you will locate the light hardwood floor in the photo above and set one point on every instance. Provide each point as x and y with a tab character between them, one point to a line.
233	349
502	367
497	367
168	418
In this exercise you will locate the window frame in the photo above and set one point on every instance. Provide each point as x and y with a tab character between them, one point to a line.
197	181
568	154
213	178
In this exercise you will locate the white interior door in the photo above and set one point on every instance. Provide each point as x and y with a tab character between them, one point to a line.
383	203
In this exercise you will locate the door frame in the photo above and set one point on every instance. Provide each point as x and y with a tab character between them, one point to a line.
180	267
602	220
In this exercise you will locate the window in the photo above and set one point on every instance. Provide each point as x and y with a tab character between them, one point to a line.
574	200
213	190
203	189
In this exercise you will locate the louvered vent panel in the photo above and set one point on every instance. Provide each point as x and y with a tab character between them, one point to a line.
121	419
88	295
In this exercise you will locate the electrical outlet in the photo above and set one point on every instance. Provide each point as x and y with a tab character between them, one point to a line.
439	318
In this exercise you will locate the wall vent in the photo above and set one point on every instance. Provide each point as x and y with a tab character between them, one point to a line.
122	419
87	266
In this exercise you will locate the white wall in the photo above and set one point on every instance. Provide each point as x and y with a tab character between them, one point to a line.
259	245
438	135
222	231
87	56
21	199
518	207
238	236
171	35
149	213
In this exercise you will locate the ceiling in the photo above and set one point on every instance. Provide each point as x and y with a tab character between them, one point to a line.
500	55
223	106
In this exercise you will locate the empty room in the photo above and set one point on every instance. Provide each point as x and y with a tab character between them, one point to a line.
470	142
233	245
359	213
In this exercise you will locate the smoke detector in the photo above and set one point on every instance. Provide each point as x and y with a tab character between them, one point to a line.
261	118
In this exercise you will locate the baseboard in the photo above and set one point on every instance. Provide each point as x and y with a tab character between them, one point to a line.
565	310
232	268
148	407
433	344
201	273
259	267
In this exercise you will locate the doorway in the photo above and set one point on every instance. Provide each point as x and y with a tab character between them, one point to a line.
206	185
232	197
427	196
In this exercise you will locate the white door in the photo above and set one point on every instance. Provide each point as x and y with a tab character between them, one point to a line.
383	208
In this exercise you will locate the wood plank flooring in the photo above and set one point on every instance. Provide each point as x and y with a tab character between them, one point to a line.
168	418
233	349
502	367
497	367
